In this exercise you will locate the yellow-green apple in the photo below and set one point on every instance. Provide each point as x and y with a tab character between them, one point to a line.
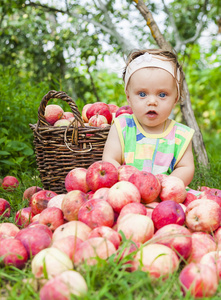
76	180
64	286
198	280
5	208
71	204
50	262
68	245
53	113
39	200
52	217
125	109
101	174
95	213
125	171
12	252
203	215
23	217
176	237
84	111
101	193
10	183
136	227
56	201
147	184
156	259
99	108
97	120
132	208
202	243
150	207
77	228
107	233
93	249
30	191
62	122
168	212
173	188
122	193
8	229
34	239
213	259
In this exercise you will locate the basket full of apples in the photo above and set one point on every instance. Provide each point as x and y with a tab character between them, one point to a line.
67	140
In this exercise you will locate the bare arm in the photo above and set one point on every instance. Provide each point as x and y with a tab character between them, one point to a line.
112	149
185	167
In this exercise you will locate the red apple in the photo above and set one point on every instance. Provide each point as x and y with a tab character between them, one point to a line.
113	108
147	184
68	245
89	251
76	180
12	252
101	109
64	286
189	198
39	200
23	217
168	212
136	227
101	194
199	280
161	177
97	120
71	204
8	230
158	260
5	208
10	183
101	174
122	193
176	237
30	191
52	217
203	215
202	243
107	233
53	113
56	201
132	208
50	262
84	112
33	239
41	227
150	207
95	213
125	109
125	171
211	194
213	259
173	188
77	228
68	115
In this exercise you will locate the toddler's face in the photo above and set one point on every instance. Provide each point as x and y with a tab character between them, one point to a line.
152	94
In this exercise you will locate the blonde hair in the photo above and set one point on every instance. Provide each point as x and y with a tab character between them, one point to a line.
165	55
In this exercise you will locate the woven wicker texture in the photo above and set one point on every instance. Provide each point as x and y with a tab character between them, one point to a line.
61	149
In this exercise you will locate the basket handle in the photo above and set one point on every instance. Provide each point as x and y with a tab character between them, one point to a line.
59	95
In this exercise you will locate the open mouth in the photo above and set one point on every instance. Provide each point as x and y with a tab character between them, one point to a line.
151	113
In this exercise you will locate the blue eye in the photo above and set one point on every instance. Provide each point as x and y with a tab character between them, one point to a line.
162	95
142	94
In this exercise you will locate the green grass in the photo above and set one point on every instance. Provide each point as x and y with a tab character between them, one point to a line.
108	279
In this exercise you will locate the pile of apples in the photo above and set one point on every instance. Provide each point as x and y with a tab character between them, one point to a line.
97	114
150	223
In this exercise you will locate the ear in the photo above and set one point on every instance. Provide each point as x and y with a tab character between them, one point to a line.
128	97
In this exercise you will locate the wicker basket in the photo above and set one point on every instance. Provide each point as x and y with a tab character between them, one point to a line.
61	149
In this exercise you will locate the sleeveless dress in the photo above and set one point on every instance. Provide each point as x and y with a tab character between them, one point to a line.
154	153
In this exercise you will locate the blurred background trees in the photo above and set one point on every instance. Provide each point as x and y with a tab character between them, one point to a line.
80	47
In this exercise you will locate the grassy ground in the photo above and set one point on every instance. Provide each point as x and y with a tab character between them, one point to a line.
107	280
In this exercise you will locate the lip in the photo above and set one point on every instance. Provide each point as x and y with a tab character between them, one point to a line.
151	114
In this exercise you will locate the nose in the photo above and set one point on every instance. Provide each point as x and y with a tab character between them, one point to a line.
151	100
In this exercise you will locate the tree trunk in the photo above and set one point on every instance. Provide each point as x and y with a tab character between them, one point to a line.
186	108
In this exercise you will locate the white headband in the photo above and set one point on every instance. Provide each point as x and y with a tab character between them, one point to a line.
152	61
